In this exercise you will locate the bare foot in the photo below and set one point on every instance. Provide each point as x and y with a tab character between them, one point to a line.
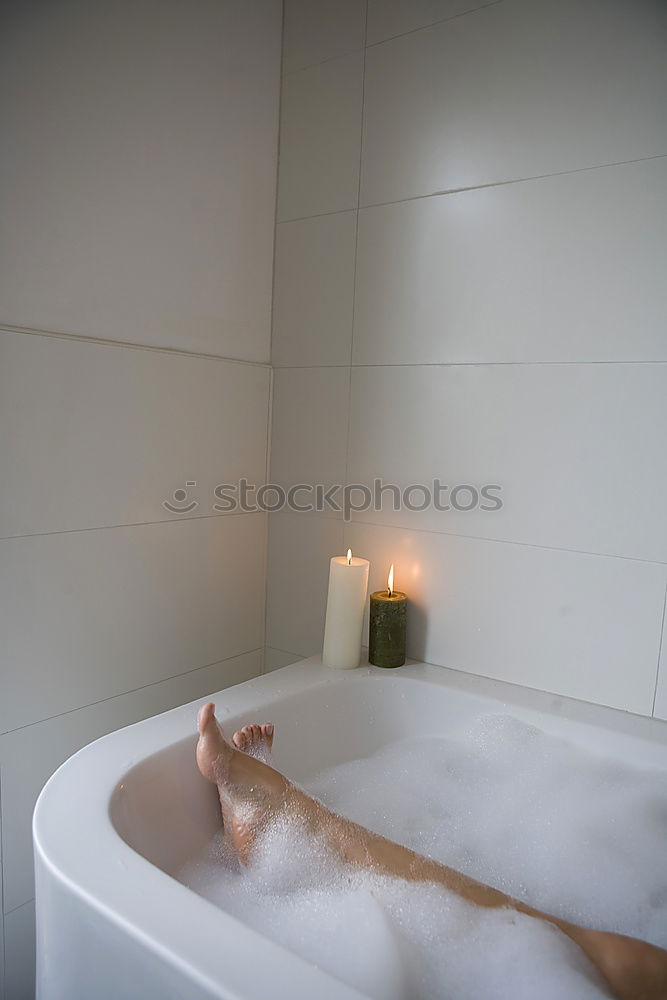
212	748
255	740
249	790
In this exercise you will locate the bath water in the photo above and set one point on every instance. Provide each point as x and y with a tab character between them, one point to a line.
579	836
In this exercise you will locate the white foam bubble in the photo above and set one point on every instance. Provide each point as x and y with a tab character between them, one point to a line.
576	835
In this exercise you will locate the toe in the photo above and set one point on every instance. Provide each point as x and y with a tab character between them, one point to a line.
211	744
252	736
205	716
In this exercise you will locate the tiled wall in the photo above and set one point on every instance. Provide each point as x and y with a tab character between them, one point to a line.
139	185
470	285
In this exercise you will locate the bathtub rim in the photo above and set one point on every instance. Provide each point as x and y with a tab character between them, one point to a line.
157	908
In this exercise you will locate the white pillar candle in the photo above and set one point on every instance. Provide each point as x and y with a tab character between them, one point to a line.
348	583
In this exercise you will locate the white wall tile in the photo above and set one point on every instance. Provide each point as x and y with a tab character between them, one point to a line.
274	659
560	269
567	268
300	548
313	290
320	136
309	426
92	614
315	30
96	435
587	627
140	184
577	450
139	198
29	756
20	953
660	709
387	18
513	90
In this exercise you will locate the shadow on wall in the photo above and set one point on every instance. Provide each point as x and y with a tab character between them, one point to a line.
417	631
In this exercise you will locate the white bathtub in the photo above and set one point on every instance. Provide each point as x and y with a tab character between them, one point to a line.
118	818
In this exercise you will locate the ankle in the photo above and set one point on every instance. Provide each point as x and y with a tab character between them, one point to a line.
251	773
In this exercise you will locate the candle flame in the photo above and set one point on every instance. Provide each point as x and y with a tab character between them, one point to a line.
349	557
390	580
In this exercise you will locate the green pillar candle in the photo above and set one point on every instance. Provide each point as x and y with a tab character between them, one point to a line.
386	632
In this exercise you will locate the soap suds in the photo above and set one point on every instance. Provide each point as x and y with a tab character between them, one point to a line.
580	836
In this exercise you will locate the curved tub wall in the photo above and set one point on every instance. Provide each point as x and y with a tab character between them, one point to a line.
164	809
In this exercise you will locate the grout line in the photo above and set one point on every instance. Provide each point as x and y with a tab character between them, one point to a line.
481	187
269	415
473	364
432	24
122	694
269	432
106	342
2	897
3	955
15	908
603	714
516	180
314	515
511	541
326	517
130	524
401	34
354	264
483	538
287	652
322	62
277	185
657	669
269	435
315	215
